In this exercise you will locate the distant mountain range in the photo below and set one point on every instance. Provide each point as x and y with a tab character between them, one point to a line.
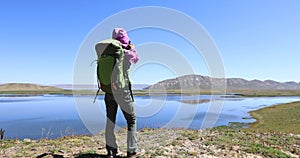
189	82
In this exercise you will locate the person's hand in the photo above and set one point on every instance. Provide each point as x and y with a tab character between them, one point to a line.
131	46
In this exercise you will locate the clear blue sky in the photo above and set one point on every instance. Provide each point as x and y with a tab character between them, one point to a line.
257	39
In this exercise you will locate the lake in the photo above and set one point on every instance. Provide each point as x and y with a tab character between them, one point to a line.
54	116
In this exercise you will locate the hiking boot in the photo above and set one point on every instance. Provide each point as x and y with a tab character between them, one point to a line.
111	154
135	154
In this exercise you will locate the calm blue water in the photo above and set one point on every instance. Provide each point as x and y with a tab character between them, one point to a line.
58	115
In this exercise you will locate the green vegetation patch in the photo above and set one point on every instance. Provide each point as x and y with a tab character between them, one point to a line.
278	118
4	144
190	134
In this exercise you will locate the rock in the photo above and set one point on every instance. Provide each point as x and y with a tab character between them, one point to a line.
235	148
298	142
27	140
192	152
62	151
167	149
202	139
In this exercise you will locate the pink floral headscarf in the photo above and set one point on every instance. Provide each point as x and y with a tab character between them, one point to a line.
121	35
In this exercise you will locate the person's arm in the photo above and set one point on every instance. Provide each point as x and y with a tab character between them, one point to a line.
131	54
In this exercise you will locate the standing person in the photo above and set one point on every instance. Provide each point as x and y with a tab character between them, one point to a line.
119	93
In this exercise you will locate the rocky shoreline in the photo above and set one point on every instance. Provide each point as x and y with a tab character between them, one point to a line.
211	143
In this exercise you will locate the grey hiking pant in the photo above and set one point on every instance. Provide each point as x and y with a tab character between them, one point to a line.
125	100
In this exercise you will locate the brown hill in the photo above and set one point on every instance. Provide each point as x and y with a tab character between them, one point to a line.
27	87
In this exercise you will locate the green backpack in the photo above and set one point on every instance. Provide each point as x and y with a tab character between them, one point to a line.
110	65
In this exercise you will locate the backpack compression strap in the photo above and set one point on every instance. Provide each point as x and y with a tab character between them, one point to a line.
99	87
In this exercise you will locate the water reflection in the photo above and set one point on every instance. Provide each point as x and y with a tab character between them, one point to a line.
199	101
